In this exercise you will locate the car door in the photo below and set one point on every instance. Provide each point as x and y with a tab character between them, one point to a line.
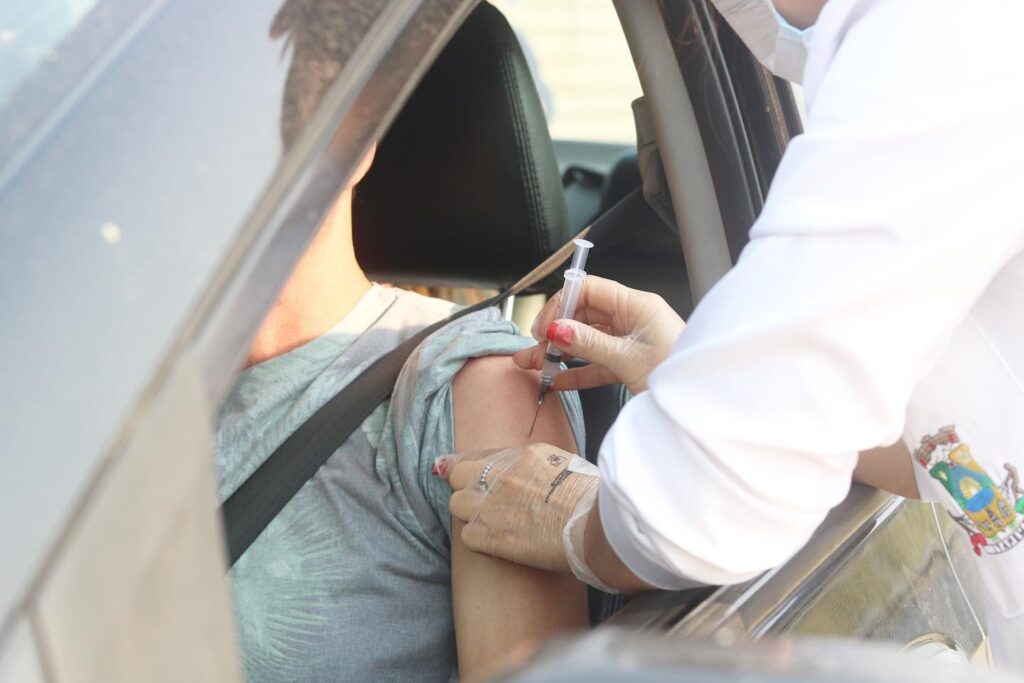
148	217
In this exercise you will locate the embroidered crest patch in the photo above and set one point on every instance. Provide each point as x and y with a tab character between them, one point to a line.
993	516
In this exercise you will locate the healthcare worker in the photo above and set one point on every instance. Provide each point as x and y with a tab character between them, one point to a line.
880	300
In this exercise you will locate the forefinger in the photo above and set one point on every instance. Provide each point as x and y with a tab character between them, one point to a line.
598	303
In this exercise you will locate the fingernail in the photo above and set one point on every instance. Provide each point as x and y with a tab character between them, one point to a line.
560	333
440	468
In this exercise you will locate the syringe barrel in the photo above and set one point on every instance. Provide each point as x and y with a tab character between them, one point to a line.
570	293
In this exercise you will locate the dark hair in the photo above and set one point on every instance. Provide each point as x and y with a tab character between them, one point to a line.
322	34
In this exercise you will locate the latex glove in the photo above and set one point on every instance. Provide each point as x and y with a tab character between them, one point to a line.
624	333
528	505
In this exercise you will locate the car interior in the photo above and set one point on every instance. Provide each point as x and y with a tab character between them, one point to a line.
475	183
483	201
471	157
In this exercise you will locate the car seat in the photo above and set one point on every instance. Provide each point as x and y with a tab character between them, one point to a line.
465	190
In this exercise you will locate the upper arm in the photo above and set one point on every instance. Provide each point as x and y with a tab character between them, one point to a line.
495	401
497	604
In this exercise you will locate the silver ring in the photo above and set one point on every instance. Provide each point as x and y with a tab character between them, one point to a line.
482	484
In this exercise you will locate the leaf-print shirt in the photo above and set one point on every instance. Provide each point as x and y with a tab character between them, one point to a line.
351	581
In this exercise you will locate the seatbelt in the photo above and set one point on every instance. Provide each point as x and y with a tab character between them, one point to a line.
259	499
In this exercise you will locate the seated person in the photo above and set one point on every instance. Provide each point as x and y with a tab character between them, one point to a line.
361	576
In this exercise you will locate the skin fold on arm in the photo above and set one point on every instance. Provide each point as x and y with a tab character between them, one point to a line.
888	468
500	606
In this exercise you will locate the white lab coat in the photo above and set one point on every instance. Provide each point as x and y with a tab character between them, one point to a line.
881	296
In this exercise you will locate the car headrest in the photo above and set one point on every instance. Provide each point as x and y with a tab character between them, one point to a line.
465	188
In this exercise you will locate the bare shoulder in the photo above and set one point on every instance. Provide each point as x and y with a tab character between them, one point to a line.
494	403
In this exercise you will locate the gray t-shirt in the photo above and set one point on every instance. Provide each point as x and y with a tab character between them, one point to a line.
351	581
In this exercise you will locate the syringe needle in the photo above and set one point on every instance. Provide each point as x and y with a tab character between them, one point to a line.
537	414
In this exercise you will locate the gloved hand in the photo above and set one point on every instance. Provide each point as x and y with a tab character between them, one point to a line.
528	505
623	332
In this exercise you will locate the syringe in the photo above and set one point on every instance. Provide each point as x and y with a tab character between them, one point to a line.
566	310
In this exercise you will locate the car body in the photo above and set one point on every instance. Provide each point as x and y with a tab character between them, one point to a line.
148	218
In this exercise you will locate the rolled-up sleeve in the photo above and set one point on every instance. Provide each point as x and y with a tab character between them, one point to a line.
886	221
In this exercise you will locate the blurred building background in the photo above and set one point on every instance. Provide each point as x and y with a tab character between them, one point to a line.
582	64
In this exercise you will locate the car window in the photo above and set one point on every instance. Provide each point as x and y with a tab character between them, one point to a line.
30	32
138	140
582	66
585	77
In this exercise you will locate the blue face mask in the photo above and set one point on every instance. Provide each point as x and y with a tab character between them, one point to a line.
776	44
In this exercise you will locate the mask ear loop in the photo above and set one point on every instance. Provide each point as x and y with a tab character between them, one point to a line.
792	46
778	45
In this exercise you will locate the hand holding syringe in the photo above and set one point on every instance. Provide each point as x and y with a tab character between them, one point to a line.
574	277
636	333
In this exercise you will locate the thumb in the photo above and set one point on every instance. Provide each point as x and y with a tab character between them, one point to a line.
530	358
586	342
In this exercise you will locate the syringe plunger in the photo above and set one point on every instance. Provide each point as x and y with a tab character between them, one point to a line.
579	256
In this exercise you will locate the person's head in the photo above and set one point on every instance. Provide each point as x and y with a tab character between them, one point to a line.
322	35
326	282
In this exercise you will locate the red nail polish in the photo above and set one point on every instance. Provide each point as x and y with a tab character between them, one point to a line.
440	468
560	334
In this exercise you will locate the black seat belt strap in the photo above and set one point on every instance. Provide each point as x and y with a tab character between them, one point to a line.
259	499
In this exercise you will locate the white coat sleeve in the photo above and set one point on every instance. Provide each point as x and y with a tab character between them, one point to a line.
887	219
